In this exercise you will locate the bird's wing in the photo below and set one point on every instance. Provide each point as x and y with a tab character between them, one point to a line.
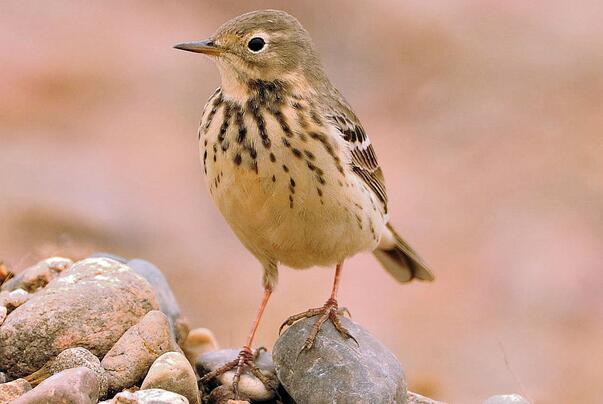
364	160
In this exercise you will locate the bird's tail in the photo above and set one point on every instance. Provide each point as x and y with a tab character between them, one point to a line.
400	260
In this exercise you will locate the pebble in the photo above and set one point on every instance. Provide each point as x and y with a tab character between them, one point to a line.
11	390
151	396
249	385
78	385
337	369
199	341
414	398
14	299
132	355
507	399
38	275
172	372
90	305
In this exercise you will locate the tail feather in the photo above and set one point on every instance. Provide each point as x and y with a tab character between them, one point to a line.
400	260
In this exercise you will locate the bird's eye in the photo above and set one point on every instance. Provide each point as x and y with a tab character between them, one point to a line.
256	44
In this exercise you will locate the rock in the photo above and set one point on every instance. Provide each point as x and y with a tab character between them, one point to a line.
199	341
89	305
114	257
11	390
3	378
223	395
69	359
338	370
249	386
172	372
130	358
3	313
71	386
14	299
167	301
414	398
38	275
507	399
151	396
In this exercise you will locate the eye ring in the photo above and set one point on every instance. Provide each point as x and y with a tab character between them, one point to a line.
256	44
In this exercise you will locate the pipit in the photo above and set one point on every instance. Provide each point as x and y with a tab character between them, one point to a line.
289	165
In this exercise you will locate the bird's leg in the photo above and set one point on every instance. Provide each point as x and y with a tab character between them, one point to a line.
329	311
246	357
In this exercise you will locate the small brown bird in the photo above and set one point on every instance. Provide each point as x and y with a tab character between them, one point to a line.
289	165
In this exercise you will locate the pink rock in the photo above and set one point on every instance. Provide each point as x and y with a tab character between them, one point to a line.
130	358
90	305
12	390
71	386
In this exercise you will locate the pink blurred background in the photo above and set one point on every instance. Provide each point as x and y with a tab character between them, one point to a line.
488	120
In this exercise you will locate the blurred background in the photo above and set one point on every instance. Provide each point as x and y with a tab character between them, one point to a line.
487	117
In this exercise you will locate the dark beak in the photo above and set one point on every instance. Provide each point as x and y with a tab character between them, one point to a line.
207	47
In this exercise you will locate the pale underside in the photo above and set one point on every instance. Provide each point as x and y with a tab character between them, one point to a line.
296	201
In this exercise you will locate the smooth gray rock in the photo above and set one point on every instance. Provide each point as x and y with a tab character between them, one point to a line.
167	301
71	386
337	370
172	372
89	305
506	399
249	385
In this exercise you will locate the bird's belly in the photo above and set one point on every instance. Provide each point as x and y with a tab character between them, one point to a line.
289	221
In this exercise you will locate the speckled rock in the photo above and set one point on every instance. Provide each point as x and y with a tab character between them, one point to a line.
172	372
89	305
199	341
38	275
167	301
249	385
14	299
73	358
130	358
507	399
151	396
11	390
71	386
338	370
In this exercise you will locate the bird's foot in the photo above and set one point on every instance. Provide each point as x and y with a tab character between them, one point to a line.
245	359
330	311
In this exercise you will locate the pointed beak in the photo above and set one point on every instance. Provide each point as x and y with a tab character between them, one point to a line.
207	47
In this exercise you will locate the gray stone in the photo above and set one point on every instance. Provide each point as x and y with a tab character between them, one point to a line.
249	385
132	355
336	369
38	275
90	305
172	372
11	390
151	396
167	301
507	399
71	386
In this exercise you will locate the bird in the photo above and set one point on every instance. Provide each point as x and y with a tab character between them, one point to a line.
290	167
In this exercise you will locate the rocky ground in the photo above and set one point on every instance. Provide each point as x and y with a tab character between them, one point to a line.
105	329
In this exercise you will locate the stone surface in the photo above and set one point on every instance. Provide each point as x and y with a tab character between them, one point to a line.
167	301
249	385
80	357
71	386
172	372
132	355
11	390
414	398
338	370
14	299
507	399
38	275
89	305
151	396
3	313
199	341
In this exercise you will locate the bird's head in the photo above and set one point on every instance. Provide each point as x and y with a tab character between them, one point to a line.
262	45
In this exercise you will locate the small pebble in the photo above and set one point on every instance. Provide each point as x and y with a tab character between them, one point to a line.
14	299
414	398
249	385
172	372
506	399
11	390
151	396
199	341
